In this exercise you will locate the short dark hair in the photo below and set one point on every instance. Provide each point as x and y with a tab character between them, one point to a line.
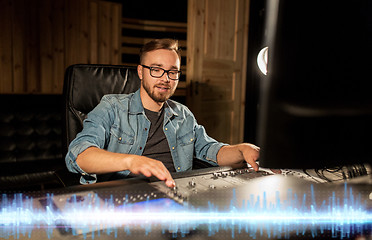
155	44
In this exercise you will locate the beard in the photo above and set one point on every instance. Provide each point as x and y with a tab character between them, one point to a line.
158	96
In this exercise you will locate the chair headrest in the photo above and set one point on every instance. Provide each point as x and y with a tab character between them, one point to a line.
87	84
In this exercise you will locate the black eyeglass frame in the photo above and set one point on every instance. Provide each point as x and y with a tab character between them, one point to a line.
164	71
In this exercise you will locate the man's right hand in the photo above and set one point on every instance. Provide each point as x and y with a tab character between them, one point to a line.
150	167
99	161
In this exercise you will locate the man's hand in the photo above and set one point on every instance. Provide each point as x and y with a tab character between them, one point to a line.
250	154
99	161
233	155
150	167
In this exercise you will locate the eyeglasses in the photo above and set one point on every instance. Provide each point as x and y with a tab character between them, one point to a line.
158	72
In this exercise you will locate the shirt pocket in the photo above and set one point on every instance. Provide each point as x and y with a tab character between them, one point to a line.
120	141
186	144
186	139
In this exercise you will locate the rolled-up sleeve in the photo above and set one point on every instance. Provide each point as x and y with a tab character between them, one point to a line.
213	151
72	165
206	148
94	134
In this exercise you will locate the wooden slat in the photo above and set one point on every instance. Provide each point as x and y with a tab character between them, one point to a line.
153	28
58	46
93	32
154	23
141	41
46	50
18	48
71	32
136	50
33	47
83	31
129	64
130	50
76	32
6	73
104	32
134	40
115	33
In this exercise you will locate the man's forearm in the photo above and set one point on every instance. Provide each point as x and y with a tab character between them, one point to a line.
99	161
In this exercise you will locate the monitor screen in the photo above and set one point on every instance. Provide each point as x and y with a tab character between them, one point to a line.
316	100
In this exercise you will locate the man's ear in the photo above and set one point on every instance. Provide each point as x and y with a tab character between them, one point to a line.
139	71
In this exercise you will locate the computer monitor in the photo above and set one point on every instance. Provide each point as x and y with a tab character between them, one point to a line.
315	107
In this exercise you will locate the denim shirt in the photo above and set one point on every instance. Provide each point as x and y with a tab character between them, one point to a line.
119	124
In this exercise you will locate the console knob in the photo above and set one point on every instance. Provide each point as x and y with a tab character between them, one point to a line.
192	183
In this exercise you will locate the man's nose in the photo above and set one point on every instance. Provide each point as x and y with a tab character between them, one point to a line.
165	77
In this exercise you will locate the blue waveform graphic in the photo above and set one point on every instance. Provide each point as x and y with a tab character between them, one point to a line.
255	217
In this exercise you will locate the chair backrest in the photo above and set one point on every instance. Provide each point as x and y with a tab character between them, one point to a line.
85	85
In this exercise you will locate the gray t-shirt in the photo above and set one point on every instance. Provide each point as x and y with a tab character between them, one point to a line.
157	146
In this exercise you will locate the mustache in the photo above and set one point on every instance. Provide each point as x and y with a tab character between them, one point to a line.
162	85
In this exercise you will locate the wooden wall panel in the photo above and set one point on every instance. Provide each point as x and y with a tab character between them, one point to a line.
219	40
40	38
217	46
6	73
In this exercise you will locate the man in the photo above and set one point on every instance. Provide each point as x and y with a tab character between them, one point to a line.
145	132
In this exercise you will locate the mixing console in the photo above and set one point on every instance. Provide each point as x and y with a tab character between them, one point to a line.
217	186
206	202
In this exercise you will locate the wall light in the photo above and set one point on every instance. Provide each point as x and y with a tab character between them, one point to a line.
262	60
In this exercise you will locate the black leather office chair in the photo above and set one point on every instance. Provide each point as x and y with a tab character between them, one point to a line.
84	86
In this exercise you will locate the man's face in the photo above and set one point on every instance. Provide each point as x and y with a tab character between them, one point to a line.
159	89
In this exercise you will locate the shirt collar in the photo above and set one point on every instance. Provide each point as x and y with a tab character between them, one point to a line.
135	105
169	111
